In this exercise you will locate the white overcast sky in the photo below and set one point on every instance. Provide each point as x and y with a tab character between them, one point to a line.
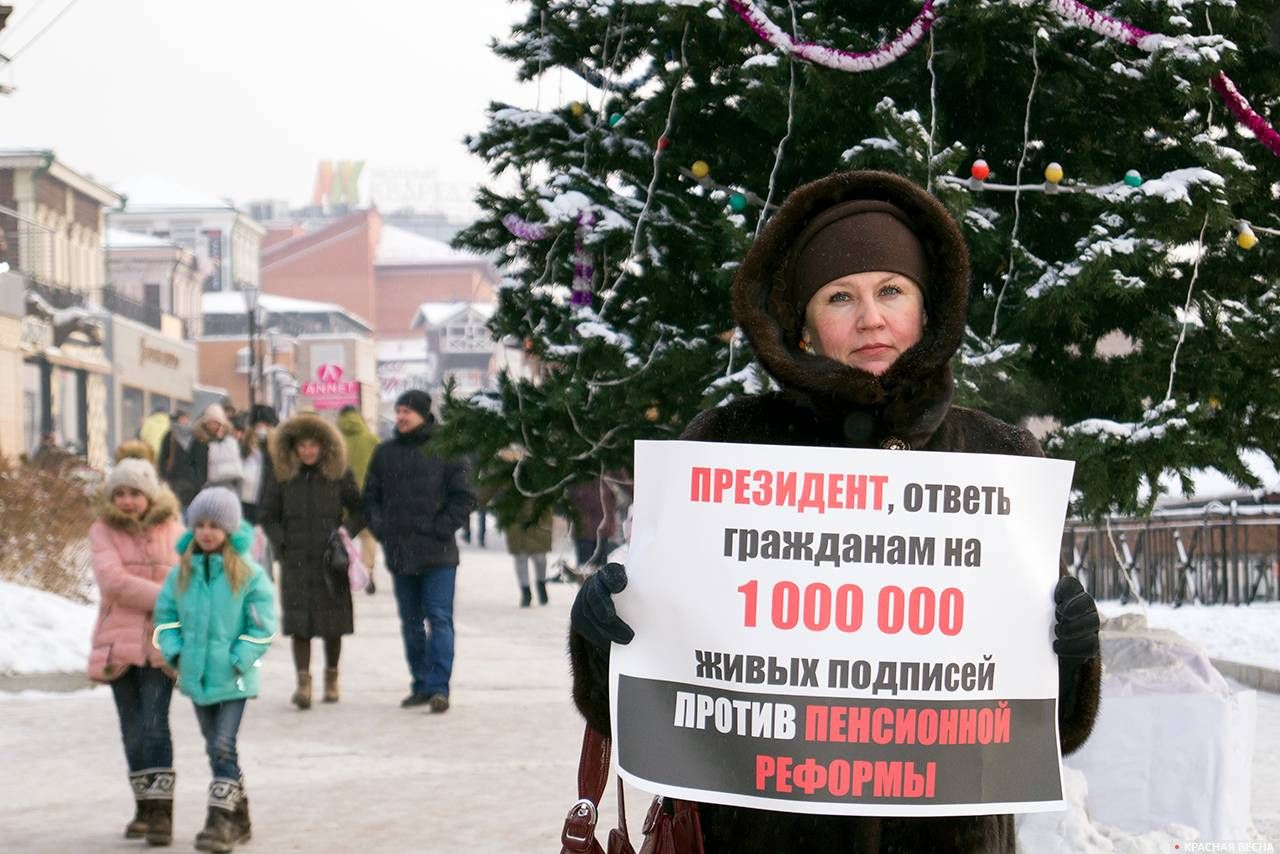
242	98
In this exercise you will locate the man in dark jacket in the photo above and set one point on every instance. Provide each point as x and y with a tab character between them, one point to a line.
184	459
414	503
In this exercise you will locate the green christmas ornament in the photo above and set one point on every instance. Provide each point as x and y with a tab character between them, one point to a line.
614	118
1133	178
737	203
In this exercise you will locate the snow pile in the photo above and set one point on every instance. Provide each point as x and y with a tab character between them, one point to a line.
1249	634
41	632
1071	831
1173	742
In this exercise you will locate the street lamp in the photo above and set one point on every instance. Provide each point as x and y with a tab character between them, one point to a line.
250	291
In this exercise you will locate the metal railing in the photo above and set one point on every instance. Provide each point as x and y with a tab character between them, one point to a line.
1218	554
114	302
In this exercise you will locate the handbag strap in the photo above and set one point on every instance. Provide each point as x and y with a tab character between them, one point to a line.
579	833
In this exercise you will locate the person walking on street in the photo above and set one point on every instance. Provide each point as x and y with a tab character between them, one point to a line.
528	541
132	545
226	468
361	443
312	494
596	507
215	617
153	430
184	459
415	503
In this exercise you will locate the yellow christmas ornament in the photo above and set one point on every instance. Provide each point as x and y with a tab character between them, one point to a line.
1053	173
577	108
1245	238
700	169
1215	404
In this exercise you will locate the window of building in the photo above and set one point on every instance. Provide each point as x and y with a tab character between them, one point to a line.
467	337
131	412
161	402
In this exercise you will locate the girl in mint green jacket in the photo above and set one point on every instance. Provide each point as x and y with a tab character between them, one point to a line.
214	618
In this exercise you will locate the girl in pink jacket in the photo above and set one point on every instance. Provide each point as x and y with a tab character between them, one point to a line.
133	544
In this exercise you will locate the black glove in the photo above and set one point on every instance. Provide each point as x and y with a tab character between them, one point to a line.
1076	626
593	615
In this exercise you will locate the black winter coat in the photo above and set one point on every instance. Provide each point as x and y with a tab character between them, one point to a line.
415	502
184	470
825	403
301	508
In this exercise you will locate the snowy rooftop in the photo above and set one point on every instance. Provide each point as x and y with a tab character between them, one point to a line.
153	193
120	239
399	246
232	302
436	313
402	349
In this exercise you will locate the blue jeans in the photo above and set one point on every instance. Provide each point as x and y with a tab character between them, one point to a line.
219	724
427	598
142	701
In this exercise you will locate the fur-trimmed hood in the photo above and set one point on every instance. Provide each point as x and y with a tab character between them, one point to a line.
307	425
159	510
912	397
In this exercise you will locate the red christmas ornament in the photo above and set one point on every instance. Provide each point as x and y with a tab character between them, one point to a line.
663	143
980	170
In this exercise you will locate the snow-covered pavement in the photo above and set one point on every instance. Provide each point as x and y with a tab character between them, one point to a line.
1248	634
495	773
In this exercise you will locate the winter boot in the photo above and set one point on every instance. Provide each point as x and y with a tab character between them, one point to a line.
542	592
243	828
302	696
139	781
526	596
331	684
221	830
160	798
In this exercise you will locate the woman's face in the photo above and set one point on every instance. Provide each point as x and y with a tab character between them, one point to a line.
865	320
209	537
308	452
129	501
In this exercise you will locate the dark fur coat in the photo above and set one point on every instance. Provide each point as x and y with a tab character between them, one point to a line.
826	403
301	508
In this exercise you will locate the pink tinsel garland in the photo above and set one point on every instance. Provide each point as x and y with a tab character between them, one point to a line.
524	229
1244	114
1103	25
840	60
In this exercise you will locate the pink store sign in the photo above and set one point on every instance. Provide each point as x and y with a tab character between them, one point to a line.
330	391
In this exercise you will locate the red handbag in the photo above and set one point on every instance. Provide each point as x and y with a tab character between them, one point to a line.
666	831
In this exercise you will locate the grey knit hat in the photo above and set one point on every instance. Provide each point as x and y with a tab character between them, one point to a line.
218	505
133	473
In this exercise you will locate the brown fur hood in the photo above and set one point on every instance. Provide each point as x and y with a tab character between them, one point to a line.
161	510
913	395
307	425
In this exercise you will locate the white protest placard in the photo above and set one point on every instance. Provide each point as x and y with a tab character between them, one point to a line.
841	631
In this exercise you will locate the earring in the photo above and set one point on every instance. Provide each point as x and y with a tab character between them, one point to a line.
804	345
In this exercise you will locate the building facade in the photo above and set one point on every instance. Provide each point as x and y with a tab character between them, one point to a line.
308	355
52	220
226	241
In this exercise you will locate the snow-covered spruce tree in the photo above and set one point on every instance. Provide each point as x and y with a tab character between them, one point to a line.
1079	297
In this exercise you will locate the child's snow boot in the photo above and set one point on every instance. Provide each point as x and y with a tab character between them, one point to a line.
160	798
139	782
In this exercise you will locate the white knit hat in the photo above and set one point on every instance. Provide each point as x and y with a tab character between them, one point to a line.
218	505
134	474
215	412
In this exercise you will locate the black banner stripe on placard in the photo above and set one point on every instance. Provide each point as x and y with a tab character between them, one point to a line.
651	746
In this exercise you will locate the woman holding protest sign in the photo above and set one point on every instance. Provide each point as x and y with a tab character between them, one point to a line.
854	298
